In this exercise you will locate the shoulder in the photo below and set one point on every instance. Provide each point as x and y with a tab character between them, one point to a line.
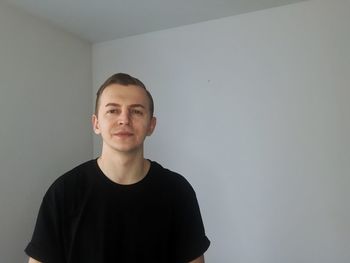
171	181
77	173
167	175
69	181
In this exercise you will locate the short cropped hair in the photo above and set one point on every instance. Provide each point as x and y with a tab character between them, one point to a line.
123	79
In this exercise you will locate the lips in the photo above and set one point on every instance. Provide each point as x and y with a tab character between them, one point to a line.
123	133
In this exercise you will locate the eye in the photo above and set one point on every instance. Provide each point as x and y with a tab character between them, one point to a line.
136	111
112	111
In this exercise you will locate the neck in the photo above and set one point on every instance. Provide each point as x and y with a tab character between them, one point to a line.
124	168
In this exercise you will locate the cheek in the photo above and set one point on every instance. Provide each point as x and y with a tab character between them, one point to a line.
105	126
140	129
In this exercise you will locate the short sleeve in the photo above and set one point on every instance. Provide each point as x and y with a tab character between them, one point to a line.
190	238
46	243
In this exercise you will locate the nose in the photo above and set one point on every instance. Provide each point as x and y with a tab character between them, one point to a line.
124	118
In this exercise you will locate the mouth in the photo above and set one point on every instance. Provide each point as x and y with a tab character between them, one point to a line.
123	134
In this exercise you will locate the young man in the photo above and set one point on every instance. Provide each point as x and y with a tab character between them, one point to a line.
120	207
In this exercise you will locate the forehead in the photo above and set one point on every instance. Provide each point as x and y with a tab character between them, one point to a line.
123	94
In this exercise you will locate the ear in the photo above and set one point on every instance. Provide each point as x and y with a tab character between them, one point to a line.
95	124
152	126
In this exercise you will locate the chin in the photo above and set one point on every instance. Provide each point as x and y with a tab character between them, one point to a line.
126	149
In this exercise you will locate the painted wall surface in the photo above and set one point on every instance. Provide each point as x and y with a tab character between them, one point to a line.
45	107
254	111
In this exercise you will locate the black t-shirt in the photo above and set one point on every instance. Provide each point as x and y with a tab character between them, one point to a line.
85	217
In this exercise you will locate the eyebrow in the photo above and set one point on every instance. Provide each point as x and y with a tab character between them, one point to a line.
118	105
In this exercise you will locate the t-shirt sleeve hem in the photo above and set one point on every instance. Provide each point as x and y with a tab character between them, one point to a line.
36	253
198	250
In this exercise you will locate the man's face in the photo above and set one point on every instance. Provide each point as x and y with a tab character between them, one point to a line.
124	119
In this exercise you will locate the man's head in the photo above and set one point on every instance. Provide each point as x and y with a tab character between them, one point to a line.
125	80
124	114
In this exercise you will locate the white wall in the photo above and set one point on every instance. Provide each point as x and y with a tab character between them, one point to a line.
254	111
45	107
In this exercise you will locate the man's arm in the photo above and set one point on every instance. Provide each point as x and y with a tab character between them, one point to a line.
32	260
198	260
